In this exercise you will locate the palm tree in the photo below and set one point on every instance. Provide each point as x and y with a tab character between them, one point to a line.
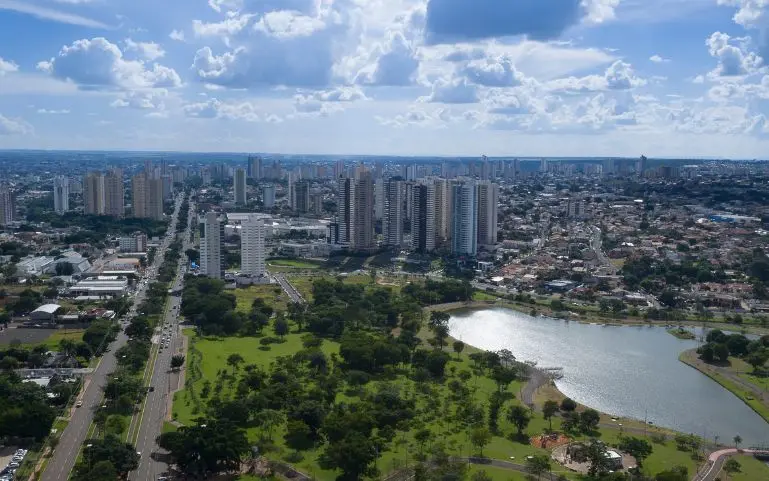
737	441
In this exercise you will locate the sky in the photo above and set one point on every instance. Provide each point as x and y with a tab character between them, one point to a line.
664	78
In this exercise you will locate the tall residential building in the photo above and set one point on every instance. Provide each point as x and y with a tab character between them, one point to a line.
302	196
488	199
139	195
268	196
240	186
114	193
363	215
464	225
212	246
317	203
7	205
345	210
486	169
379	199
339	169
93	194
543	165
394	206
155	200
291	190
442	211
255	167
252	254
61	194
423	219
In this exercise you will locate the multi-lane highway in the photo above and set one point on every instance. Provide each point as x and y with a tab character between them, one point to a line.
163	381
65	454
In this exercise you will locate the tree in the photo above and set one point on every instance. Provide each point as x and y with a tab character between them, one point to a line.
503	376
707	353
480	437
588	420
550	409
538	465
568	405
757	359
721	352
213	447
353	454
459	346
234	361
732	466
676	473
596	456
737	441
421	437
115	425
281	326
298	435
519	416
177	361
481	475
439	325
640	449
101	471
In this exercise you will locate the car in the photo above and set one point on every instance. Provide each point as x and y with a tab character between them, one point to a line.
79	404
139	453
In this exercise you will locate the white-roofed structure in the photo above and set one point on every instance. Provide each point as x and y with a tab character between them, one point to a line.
46	313
100	287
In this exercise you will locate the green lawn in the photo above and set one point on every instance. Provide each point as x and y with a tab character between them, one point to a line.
293	263
751	470
272	294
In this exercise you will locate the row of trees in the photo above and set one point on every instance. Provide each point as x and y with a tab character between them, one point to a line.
719	346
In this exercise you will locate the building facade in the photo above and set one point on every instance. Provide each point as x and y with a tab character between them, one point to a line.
423	219
268	196
464	223
302	196
488	199
212	246
114	193
394	207
252	251
94	201
240	186
61	194
7	205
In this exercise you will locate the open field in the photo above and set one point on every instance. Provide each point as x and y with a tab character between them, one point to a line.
751	470
289	265
33	337
272	294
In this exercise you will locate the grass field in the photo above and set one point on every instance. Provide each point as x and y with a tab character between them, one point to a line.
751	470
272	294
288	265
36	337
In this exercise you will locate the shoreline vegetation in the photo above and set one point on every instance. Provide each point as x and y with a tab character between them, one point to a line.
751	398
689	357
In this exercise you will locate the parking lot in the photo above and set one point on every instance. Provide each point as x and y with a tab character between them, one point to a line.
10	460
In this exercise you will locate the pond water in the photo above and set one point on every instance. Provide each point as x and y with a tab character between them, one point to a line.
628	371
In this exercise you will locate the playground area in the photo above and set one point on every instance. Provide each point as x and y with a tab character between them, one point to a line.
549	441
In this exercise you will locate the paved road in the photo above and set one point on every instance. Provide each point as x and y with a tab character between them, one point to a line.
290	290
65	454
163	381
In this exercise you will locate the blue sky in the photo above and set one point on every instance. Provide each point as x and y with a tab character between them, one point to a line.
400	77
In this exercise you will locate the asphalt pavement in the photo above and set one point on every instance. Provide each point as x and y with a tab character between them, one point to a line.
64	456
163	381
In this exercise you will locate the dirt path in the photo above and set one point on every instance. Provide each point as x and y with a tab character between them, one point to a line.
537	379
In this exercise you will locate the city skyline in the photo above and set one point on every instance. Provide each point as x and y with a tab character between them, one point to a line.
409	77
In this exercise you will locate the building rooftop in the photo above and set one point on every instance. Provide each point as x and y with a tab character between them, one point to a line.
48	308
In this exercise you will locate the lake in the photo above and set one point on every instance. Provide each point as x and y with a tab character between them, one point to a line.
628	371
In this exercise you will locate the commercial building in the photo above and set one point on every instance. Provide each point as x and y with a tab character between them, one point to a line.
268	196
252	252
93	194
464	223
240	186
7	205
394	206
302	193
61	194
113	286
134	243
45	313
212	246
114	193
423	219
488	199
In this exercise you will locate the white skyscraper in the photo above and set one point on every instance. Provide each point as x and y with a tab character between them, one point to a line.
61	194
212	246
423	219
394	205
252	254
240	186
464	224
488	198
